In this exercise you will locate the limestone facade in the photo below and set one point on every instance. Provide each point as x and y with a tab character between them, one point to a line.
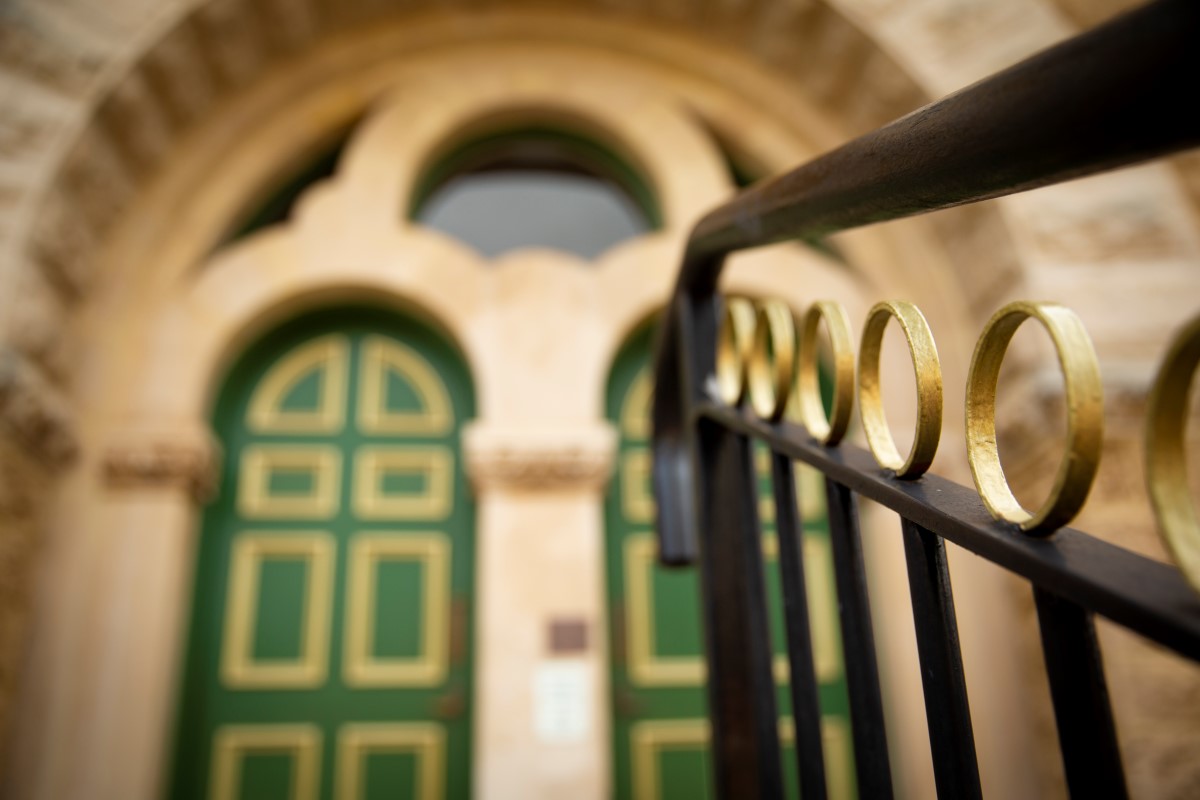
133	138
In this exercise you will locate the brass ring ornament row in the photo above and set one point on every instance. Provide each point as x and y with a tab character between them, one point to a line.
760	357
756	360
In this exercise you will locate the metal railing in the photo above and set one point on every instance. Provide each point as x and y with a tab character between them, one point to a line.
1102	100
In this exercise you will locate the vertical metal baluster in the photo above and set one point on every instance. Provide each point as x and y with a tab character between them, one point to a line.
741	687
951	737
862	673
1086	733
806	709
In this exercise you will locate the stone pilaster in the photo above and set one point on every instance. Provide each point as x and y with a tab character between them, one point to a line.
37	439
539	535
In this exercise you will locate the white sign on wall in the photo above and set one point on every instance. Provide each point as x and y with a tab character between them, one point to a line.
561	701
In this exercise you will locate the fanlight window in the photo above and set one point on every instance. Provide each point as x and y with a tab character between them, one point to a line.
535	188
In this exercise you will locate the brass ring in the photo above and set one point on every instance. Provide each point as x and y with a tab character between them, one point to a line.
1085	416
827	431
772	362
1166	458
929	389
734	340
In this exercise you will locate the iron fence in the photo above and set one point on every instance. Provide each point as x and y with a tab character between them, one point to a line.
1102	100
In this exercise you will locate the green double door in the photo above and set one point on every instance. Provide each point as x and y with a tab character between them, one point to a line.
660	728
329	653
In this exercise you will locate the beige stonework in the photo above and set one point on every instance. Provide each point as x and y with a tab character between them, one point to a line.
33	413
539	458
22	516
168	458
133	137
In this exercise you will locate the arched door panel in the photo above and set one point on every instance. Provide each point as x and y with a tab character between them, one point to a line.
329	653
659	706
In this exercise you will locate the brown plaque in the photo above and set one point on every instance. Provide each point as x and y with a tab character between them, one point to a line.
568	635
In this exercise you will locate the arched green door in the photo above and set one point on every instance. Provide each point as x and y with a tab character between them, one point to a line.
660	727
330	645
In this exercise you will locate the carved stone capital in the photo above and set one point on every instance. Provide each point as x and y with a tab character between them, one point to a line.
186	460
539	458
33	413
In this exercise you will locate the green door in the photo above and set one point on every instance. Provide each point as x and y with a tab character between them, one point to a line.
660	728
330	644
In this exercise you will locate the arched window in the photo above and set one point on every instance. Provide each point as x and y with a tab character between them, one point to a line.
535	187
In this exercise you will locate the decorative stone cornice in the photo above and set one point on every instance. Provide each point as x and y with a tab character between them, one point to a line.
539	458
183	459
33	413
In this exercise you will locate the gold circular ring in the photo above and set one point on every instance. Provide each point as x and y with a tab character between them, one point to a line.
827	431
929	389
1085	416
772	362
1166	458
734	340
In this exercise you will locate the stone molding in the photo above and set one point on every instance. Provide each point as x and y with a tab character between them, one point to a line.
181	460
33	413
539	458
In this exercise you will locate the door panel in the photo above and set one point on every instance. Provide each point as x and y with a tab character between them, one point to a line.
329	654
660	726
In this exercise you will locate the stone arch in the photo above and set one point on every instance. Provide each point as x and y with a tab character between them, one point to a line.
152	91
140	88
122	89
210	333
145	85
359	177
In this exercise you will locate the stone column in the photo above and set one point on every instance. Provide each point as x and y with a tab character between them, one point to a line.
37	442
152	485
541	710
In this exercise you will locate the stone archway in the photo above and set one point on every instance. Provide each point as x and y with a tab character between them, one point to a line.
162	314
123	116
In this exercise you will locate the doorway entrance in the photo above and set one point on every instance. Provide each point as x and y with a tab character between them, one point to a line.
330	645
659	704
